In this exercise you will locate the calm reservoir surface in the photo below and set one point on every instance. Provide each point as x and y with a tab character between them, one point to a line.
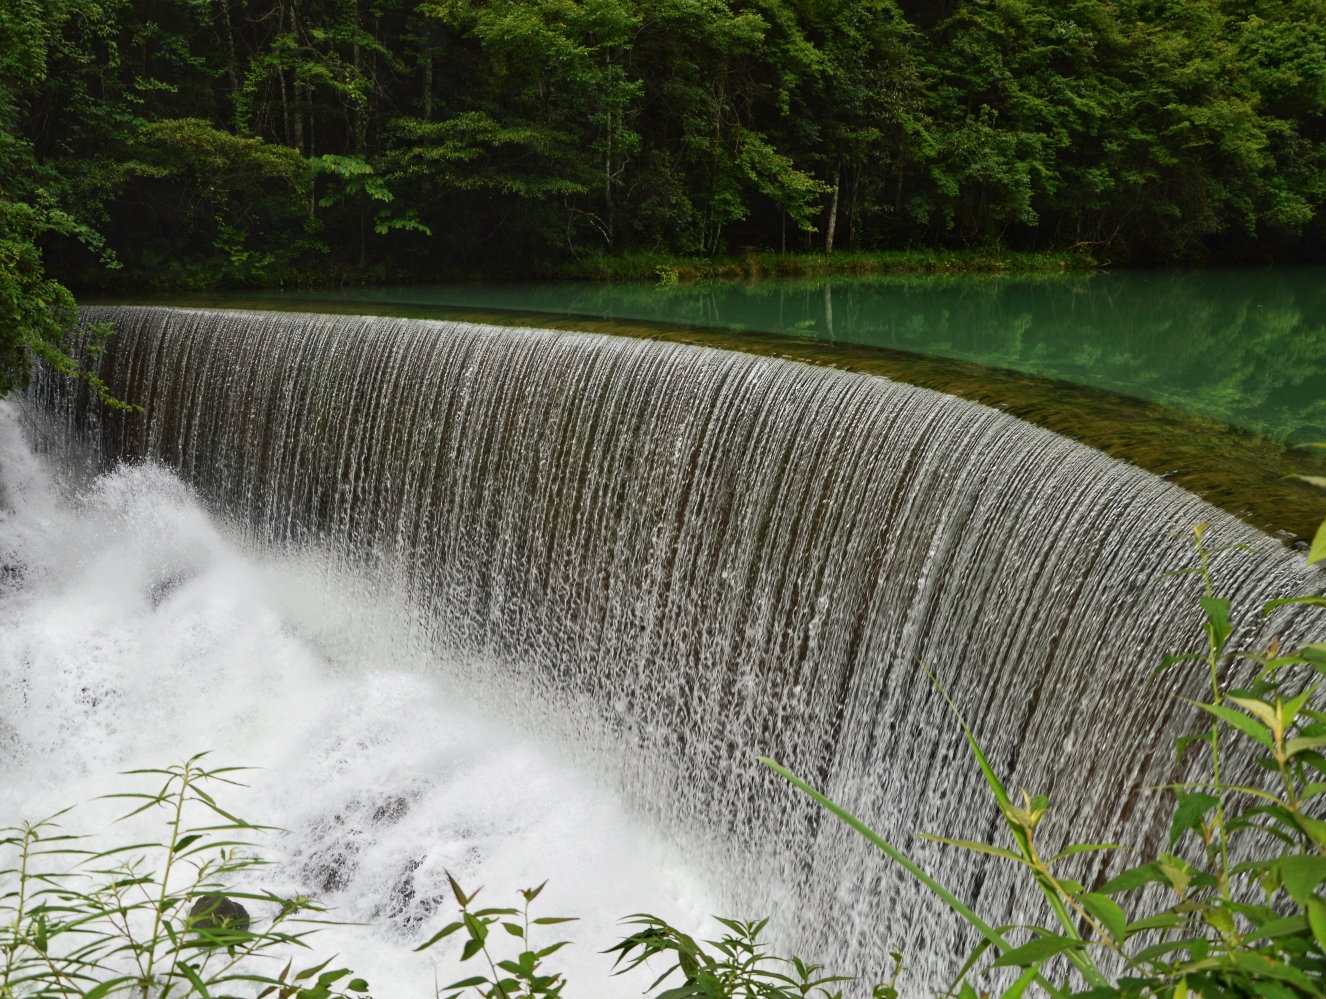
1243	346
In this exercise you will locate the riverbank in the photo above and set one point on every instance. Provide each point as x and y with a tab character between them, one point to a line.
669	268
651	268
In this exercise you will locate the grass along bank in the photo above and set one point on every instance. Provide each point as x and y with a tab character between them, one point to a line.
670	268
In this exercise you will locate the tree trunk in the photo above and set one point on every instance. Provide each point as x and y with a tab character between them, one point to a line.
428	86
833	216
234	77
285	107
851	212
607	184
280	75
299	118
358	127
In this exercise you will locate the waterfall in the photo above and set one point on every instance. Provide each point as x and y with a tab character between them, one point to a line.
672	558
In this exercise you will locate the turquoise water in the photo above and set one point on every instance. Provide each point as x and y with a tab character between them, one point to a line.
1244	346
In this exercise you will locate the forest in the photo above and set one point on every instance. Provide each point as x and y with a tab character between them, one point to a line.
196	144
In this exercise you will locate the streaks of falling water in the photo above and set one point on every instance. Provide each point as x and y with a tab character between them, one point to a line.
690	556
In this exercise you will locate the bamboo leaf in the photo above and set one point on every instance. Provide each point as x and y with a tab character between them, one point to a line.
967	844
466	983
1016	990
105	988
194	980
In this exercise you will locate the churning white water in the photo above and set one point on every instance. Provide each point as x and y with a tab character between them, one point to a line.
661	560
135	631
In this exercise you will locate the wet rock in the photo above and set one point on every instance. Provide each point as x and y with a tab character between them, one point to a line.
216	912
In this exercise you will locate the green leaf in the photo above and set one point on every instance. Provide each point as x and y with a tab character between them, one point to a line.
1280	927
104	988
1317	919
461	899
1285	601
472	947
1300	875
1297	745
1190	813
1016	990
1035	951
1248	726
1318	550
466	983
892	852
1263	711
549	920
1182	743
1217	617
194	980
446	931
1315	654
1161	949
357	985
967	844
1135	877
310	972
1315	828
514	929
1272	990
1164	921
185	841
1107	912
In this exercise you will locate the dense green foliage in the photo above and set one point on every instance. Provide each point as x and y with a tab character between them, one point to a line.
267	140
200	143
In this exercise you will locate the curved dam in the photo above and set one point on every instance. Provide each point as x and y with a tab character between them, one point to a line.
669	559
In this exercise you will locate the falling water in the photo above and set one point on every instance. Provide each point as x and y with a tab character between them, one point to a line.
665	560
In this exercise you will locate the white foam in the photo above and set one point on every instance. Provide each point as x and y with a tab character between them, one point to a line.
134	631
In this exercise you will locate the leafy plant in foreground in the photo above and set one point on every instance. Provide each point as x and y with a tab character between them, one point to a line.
738	967
524	976
1250	927
156	919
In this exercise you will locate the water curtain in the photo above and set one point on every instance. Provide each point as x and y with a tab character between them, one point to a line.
674	558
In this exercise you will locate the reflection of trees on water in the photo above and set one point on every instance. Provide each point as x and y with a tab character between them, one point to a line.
1245	347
